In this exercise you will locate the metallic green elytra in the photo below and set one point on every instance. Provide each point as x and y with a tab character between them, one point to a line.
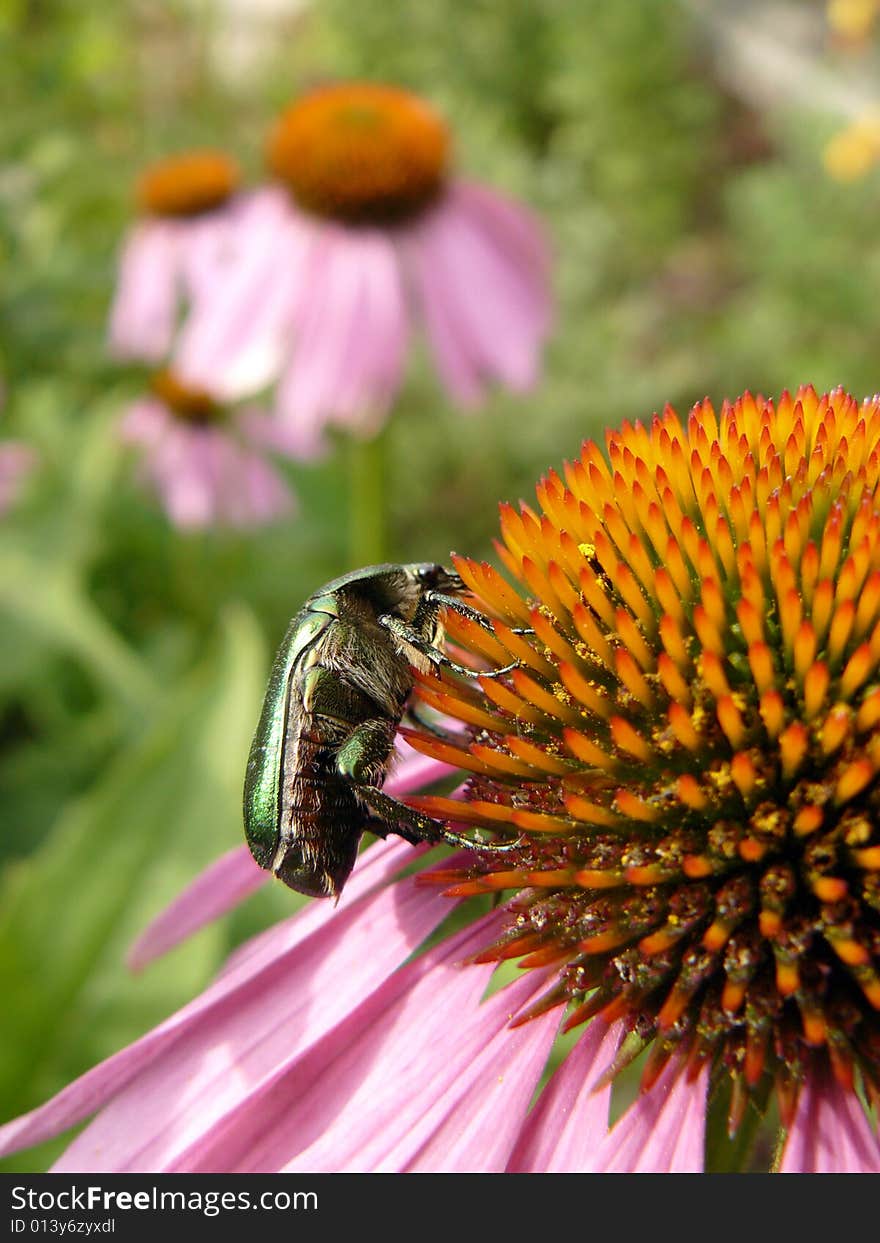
337	691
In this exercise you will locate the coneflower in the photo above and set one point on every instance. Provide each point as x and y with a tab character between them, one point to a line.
209	465
687	750
690	744
365	231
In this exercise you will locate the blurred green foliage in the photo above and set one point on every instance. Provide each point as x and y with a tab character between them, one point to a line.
699	249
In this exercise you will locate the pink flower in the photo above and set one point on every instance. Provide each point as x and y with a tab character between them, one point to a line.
16	463
207	471
366	233
324	1045
696	869
176	253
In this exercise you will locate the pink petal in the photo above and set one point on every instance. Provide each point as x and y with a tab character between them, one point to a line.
569	1120
663	1132
265	496
479	1132
374	366
213	243
248	489
180	469
260	1021
437	299
350	338
421	1106
205	475
311	1109
515	230
144	310
271	953
236	342
234	876
227	882
476	295
831	1133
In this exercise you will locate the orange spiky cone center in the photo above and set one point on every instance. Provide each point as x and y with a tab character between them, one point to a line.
689	745
188	184
360	152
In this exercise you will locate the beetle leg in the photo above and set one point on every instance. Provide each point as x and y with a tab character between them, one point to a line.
362	757
459	606
391	816
361	760
412	714
410	635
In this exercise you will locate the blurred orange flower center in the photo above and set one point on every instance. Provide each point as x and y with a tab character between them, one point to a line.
195	405
185	185
360	151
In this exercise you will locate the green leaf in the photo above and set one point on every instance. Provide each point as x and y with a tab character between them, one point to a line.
48	600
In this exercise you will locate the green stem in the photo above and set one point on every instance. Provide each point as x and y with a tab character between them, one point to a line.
367	469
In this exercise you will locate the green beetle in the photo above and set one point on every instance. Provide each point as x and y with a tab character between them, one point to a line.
336	695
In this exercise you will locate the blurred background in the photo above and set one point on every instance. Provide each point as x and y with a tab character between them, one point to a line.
707	176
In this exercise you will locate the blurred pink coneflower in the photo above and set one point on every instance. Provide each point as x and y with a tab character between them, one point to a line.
208	465
177	251
365	231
